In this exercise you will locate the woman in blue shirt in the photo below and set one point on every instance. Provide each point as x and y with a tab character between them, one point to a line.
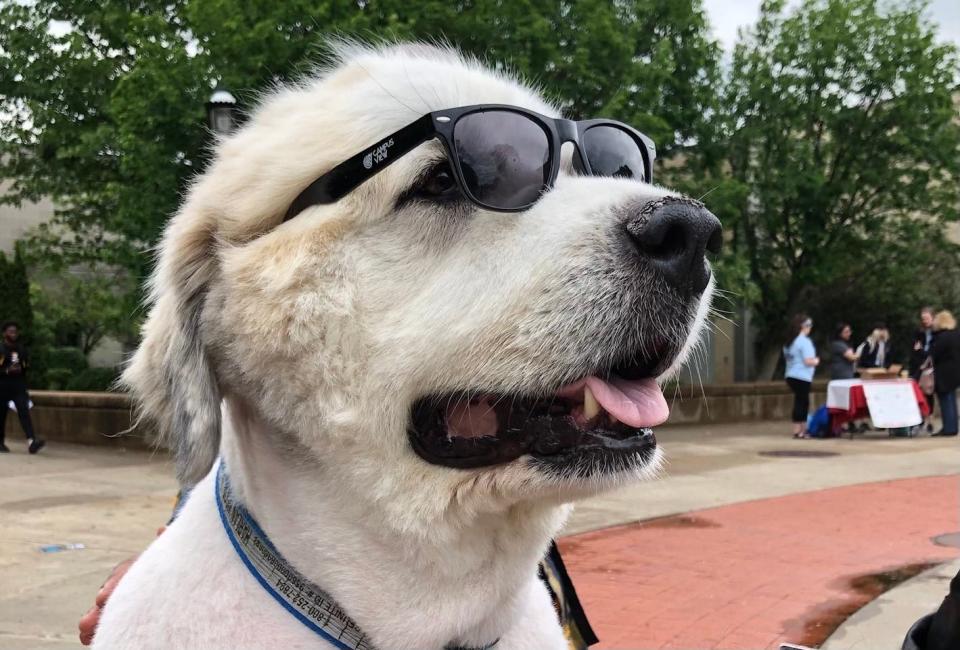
801	360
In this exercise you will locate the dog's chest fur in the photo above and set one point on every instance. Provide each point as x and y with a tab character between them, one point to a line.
191	586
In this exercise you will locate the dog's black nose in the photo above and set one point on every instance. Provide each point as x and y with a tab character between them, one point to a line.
675	233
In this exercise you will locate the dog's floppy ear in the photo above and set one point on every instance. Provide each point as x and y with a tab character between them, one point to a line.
170	375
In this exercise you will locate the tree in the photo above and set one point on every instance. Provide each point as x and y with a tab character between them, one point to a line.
840	160
105	119
103	102
80	308
913	267
15	293
649	62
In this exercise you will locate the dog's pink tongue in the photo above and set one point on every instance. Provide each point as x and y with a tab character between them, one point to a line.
637	403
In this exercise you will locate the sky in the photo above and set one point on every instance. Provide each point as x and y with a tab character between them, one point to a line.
727	15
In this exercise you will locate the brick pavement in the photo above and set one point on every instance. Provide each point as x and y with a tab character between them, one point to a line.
753	574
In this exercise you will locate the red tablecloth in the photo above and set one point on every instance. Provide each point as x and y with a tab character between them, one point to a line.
858	405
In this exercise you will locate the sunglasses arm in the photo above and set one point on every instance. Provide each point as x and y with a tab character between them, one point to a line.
353	172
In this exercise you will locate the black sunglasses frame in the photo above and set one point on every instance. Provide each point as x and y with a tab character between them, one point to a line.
356	170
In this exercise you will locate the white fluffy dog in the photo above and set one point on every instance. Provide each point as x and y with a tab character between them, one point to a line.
405	387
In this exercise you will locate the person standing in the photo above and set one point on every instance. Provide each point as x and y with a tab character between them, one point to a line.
874	352
801	361
842	356
889	354
945	352
922	340
14	362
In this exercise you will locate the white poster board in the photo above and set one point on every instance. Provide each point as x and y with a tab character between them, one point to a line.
892	404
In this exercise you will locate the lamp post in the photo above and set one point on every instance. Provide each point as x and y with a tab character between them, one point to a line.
222	112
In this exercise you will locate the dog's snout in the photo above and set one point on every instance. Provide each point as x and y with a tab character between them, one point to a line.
675	235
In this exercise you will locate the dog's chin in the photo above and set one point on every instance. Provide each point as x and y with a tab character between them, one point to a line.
599	426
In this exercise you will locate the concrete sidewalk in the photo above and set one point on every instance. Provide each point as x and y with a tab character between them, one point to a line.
110	501
113	503
882	623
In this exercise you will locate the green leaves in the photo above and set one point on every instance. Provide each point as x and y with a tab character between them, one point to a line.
15	293
106	104
829	150
840	120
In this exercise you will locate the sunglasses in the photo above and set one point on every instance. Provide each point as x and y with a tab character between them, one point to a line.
502	158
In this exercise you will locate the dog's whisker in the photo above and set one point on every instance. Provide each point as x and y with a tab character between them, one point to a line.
413	86
708	192
385	89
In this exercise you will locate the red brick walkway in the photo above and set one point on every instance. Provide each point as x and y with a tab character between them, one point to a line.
750	575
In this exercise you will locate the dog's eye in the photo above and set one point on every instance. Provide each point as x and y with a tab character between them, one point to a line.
438	183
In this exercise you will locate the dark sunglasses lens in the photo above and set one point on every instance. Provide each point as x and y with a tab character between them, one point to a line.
504	158
613	152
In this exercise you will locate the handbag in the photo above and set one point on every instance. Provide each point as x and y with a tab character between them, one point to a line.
926	380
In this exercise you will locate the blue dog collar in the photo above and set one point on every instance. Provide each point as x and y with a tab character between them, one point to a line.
307	602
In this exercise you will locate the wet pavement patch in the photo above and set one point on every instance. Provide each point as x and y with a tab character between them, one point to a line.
874	584
679	521
576	543
797	453
827	617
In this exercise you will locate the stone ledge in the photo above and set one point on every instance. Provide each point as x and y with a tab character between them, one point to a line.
103	419
726	403
75	399
693	391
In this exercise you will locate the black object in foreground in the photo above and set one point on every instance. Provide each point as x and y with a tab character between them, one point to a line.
940	630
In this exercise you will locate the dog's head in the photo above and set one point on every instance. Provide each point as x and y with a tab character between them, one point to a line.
419	348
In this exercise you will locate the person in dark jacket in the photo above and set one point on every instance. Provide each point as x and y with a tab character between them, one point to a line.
945	352
922	340
14	362
875	351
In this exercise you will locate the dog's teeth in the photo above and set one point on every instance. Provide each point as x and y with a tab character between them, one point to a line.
590	406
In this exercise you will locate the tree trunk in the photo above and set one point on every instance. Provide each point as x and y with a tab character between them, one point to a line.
771	364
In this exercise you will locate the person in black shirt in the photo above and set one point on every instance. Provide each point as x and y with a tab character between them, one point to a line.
14	361
922	340
875	351
945	352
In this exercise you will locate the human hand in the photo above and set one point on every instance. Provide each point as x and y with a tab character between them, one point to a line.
917	347
89	621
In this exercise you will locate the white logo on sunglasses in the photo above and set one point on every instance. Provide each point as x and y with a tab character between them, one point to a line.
378	155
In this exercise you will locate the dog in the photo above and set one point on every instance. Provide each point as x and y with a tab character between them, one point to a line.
406	365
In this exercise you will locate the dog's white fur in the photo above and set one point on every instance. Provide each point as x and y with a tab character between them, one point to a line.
294	350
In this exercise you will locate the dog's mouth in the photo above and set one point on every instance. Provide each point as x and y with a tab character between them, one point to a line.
606	418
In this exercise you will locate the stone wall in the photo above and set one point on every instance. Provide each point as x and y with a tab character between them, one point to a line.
104	418
86	418
743	402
